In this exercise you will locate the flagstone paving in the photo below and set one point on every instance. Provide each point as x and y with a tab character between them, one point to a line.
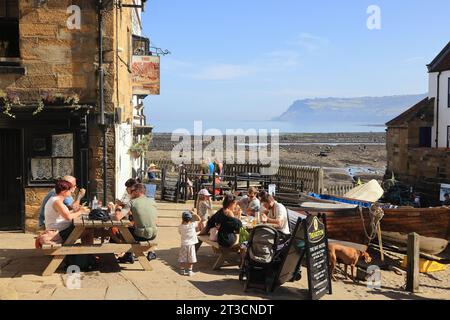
21	266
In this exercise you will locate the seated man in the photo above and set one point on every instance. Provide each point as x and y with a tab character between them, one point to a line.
276	214
68	201
144	213
250	204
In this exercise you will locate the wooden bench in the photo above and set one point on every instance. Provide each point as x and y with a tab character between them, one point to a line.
58	252
223	253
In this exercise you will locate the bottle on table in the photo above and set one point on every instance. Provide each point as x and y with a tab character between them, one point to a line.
94	203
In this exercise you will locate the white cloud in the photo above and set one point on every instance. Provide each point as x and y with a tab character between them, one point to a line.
174	64
310	42
282	58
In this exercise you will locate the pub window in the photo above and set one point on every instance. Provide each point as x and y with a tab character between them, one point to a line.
425	137
9	26
51	158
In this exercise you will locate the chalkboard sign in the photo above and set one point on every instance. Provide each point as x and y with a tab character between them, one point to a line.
319	280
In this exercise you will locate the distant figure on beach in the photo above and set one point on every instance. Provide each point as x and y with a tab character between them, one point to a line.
446	200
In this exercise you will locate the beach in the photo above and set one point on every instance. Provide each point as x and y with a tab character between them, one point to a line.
345	157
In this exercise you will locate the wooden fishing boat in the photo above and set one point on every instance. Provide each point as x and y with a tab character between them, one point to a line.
353	224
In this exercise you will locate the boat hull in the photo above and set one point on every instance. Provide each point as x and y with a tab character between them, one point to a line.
347	225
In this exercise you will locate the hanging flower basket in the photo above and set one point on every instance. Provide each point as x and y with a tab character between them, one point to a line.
135	154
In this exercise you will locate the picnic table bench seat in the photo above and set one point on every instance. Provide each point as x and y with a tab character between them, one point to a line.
75	249
223	253
58	252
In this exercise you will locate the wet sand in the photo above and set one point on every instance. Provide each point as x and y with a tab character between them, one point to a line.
343	156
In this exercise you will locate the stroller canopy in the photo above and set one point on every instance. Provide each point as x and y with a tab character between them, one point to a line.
263	244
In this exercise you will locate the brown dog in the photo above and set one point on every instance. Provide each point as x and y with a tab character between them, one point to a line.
348	256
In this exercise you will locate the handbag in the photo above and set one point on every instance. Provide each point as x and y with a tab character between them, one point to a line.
213	232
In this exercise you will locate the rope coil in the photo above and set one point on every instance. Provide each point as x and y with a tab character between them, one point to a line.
376	213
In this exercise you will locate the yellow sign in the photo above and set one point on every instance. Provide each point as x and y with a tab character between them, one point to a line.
316	231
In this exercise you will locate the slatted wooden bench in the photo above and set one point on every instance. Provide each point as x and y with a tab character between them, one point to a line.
58	252
223	252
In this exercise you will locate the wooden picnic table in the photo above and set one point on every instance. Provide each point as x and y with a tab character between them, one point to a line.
224	253
83	223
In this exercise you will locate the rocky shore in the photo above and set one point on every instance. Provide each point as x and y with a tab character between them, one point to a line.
344	156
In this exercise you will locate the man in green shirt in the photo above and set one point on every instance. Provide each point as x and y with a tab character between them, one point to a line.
204	170
143	210
144	214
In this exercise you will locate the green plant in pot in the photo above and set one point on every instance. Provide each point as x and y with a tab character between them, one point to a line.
140	148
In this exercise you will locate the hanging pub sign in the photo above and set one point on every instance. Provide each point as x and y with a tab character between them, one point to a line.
146	75
319	279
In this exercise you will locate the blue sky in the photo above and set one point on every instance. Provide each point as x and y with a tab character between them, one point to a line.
240	60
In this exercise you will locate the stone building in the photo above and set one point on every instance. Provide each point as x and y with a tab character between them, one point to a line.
418	140
50	115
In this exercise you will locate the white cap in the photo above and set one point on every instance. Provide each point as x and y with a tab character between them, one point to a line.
204	192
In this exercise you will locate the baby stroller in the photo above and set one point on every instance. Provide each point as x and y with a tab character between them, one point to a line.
262	259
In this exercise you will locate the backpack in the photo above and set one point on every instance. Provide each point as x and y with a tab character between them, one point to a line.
98	214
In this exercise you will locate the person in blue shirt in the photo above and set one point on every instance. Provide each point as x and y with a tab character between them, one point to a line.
211	167
151	172
68	201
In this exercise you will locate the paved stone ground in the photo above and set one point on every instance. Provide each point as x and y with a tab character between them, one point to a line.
21	266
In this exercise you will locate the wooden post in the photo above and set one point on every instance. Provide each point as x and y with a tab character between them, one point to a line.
380	241
412	273
214	186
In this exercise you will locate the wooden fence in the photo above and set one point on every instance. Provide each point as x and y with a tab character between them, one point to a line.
288	178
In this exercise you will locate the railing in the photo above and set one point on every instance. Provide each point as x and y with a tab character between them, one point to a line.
288	178
338	189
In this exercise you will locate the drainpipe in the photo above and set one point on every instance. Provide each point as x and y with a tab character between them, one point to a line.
437	109
101	96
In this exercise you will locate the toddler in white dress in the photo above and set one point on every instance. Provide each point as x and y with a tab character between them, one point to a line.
187	256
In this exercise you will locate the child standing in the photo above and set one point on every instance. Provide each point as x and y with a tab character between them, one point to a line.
204	207
187	256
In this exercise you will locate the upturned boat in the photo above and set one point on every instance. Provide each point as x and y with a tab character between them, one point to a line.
355	220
